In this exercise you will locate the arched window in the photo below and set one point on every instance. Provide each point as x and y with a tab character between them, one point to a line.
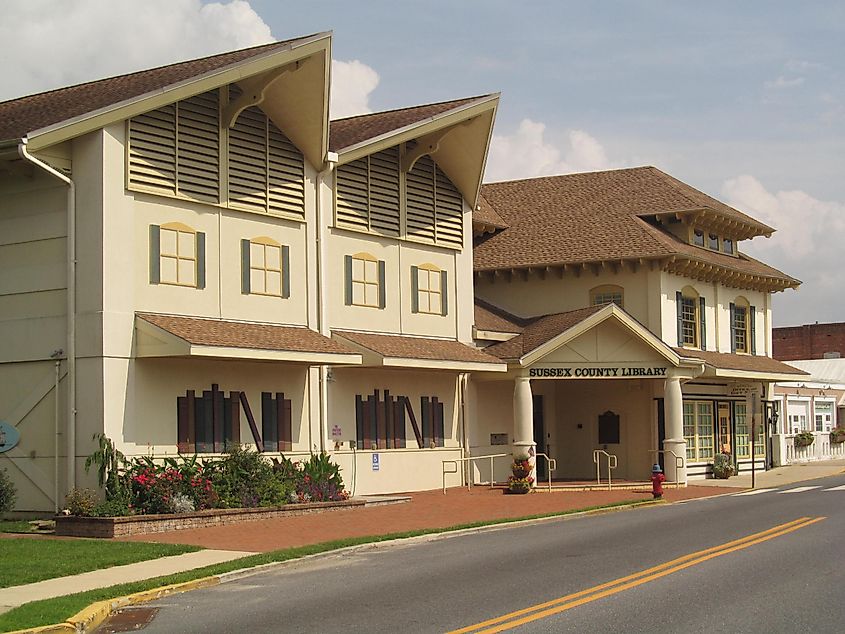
177	255
365	280
428	289
607	294
691	326
265	267
742	326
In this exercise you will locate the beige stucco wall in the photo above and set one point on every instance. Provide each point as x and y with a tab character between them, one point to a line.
717	312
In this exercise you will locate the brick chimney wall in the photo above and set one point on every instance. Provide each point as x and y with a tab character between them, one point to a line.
811	341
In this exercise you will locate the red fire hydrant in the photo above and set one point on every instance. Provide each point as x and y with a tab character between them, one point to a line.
657	480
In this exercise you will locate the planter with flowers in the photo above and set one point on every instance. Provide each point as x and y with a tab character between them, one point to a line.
521	480
837	435
804	439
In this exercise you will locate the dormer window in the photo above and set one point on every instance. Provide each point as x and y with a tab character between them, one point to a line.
698	238
713	242
728	246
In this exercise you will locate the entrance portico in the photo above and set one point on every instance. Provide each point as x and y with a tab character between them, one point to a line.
599	382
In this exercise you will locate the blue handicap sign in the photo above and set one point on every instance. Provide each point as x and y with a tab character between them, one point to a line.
375	462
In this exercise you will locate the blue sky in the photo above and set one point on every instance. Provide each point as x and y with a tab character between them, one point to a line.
745	101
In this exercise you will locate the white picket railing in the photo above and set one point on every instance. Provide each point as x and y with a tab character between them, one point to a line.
821	449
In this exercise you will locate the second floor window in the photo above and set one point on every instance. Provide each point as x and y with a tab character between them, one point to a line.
429	289
691	326
742	326
177	255
265	268
365	284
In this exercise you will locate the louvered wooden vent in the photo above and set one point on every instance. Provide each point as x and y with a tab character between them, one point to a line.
434	205
175	150
368	193
266	170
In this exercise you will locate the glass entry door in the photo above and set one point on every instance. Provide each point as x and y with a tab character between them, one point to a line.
725	436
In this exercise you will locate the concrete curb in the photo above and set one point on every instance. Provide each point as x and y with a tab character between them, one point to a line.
95	614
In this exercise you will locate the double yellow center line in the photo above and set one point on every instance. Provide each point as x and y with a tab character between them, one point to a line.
561	604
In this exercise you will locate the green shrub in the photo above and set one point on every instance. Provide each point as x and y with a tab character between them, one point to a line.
723	466
804	439
8	493
244	479
81	502
321	480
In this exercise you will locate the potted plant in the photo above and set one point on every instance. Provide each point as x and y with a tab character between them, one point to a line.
837	435
804	439
723	466
520	480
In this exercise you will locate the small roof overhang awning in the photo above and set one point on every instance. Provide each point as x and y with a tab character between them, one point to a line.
399	351
746	367
175	336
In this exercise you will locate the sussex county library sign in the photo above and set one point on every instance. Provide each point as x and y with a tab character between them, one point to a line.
597	372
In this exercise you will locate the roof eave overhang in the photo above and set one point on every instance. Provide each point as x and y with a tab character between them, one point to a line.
748	375
372	358
295	51
608	312
741	229
161	343
462	153
704	271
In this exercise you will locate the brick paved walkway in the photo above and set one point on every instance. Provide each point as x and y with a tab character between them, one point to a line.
428	509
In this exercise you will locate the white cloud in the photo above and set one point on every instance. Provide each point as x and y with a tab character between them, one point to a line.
526	153
51	43
807	245
784	82
352	84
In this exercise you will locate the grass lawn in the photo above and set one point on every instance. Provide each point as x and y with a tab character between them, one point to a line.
16	526
56	610
26	560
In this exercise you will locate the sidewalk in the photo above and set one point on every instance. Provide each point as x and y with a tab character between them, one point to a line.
426	510
780	475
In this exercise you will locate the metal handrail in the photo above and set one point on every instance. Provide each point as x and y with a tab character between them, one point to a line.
470	459
551	465
680	463
611	464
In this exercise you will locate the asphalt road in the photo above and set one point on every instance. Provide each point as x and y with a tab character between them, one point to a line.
790	579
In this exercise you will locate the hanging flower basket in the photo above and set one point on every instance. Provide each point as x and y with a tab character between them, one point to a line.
723	467
804	439
837	435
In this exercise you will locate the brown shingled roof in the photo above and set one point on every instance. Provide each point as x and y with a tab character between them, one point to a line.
404	347
598	216
540	331
236	334
746	362
494	319
26	114
353	130
485	215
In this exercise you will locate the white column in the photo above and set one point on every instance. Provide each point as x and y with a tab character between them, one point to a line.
523	419
673	403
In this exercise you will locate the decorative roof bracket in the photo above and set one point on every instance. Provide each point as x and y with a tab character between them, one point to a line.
428	144
254	90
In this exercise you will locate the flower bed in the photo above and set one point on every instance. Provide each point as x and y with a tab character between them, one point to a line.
74	526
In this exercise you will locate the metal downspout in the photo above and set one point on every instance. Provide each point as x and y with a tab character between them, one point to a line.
71	308
322	322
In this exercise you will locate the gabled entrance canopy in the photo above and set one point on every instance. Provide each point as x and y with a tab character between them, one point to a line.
594	342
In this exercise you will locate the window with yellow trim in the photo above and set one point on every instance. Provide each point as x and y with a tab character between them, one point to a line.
698	430
177	255
265	267
428	290
365	281
607	294
742	426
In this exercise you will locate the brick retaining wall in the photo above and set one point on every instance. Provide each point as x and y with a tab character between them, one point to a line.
72	526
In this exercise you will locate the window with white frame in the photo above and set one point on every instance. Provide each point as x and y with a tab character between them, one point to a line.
691	326
429	289
365	281
824	415
698	430
265	267
177	255
606	294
